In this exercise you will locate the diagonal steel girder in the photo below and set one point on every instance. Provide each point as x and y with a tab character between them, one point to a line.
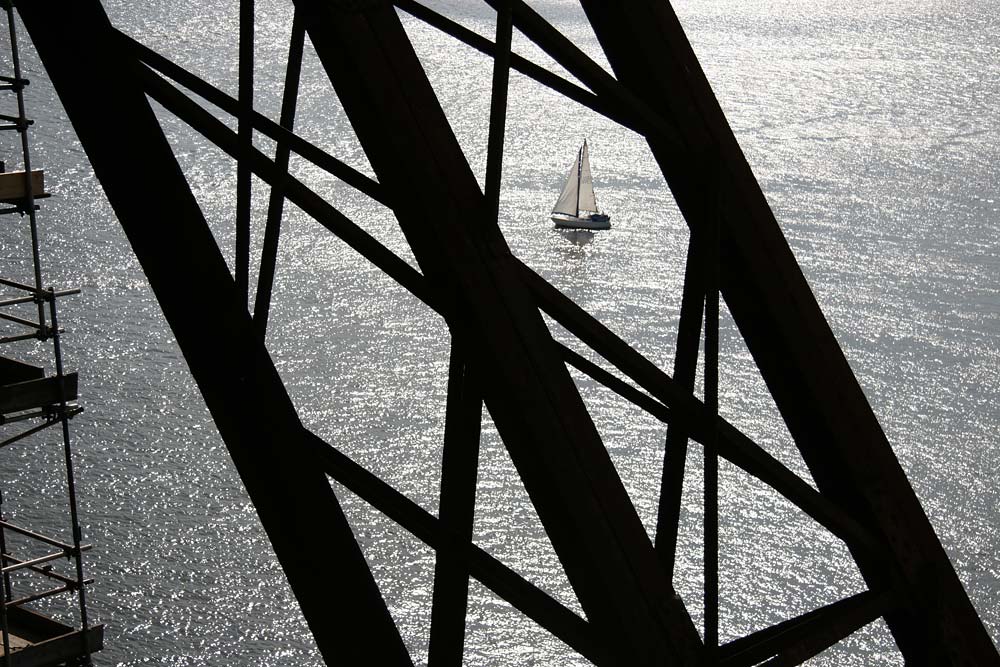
811	382
272	451
554	444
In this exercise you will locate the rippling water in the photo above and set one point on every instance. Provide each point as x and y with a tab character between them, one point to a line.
874	132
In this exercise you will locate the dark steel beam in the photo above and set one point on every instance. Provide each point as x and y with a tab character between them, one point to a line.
310	202
634	614
602	105
675	450
498	111
276	202
261	123
812	384
524	596
709	259
612	382
809	633
685	409
163	223
828	629
245	129
736	448
464	414
459	468
592	75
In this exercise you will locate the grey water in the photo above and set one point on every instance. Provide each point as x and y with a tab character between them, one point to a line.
874	131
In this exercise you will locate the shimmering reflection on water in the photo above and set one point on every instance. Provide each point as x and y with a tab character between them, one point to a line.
874	133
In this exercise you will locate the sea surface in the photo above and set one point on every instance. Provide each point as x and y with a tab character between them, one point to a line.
874	130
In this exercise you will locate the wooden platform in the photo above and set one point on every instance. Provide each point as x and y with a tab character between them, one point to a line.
39	641
12	185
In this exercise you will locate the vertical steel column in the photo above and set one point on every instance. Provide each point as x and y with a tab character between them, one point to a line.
459	469
5	592
208	315
460	462
581	501
275	205
245	130
710	261
799	358
685	369
70	480
498	109
3	552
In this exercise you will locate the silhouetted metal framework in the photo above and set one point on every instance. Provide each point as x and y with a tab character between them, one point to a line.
31	403
487	296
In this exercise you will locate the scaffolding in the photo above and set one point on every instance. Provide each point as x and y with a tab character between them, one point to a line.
32	402
504	355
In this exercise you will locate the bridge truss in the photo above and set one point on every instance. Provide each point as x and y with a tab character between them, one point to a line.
503	354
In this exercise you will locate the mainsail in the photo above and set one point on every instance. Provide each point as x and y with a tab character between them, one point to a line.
567	200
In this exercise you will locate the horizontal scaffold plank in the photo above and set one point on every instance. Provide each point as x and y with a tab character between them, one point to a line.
37	393
13	187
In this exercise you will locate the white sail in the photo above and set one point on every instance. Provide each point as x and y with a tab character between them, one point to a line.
567	200
587	201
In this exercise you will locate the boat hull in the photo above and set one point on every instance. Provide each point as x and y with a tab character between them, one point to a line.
594	221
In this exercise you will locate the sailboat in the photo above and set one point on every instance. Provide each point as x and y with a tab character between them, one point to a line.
576	207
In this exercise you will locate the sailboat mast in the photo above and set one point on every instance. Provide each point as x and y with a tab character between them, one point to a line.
579	176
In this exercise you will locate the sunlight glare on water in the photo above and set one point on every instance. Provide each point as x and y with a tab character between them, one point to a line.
875	135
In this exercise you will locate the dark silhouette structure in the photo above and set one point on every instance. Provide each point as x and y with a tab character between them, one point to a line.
502	351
